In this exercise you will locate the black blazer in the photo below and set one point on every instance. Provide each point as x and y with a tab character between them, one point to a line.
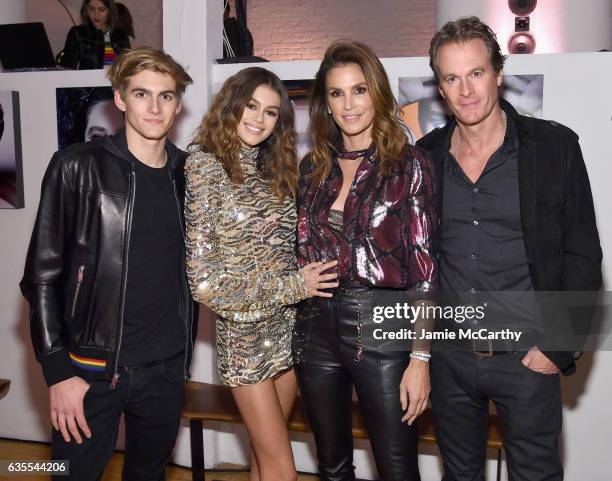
559	228
84	49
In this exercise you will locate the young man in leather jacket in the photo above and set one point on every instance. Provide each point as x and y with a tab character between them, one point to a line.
112	321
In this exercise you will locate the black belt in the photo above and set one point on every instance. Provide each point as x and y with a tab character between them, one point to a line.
484	348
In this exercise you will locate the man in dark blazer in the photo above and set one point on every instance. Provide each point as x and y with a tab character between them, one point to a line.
517	218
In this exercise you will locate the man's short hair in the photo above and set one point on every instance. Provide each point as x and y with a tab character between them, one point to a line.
462	30
132	62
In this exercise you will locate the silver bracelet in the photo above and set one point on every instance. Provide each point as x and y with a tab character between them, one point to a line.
421	356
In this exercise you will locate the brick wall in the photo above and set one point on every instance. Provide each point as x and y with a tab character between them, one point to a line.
302	29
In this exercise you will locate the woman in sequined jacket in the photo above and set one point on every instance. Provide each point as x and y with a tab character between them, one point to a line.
241	218
366	200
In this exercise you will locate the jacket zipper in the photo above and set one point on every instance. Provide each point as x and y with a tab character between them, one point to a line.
188	314
77	290
126	250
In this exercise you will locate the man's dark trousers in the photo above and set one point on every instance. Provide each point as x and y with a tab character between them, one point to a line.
528	404
151	397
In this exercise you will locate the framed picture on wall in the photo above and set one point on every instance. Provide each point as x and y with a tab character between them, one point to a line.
85	113
424	110
299	93
11	172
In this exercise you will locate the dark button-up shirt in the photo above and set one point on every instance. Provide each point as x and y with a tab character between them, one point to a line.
389	227
482	243
558	220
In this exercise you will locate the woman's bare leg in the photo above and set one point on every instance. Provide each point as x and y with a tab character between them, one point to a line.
286	389
254	471
264	407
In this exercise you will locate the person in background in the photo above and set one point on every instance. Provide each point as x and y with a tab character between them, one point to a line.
98	40
241	218
366	199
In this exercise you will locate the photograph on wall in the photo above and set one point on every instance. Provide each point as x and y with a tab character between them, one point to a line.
423	109
86	113
299	93
11	173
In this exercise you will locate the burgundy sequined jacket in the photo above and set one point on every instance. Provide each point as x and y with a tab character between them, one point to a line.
390	224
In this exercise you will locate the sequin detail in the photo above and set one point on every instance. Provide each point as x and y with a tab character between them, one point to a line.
390	224
241	264
336	219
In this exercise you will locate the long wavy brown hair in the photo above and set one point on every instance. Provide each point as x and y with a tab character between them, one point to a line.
276	159
387	133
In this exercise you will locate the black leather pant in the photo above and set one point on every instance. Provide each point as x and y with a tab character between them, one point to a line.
325	344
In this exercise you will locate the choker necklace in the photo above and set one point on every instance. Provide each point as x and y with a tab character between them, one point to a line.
352	154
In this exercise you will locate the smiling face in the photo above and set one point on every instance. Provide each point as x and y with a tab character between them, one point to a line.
259	117
468	81
150	103
352	108
99	14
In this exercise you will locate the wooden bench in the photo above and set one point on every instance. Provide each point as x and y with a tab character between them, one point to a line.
212	402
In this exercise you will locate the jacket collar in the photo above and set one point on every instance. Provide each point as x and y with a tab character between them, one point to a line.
117	144
526	132
435	142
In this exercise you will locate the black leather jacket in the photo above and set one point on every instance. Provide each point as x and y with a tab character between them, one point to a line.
76	267
84	48
557	214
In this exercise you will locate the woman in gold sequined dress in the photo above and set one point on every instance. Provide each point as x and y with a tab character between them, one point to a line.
241	220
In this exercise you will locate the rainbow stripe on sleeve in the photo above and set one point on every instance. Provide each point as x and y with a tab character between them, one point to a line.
89	364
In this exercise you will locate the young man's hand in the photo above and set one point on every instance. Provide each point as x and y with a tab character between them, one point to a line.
67	408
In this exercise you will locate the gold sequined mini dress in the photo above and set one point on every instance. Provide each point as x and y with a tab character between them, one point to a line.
241	264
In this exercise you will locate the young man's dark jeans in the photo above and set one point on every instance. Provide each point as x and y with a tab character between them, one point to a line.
151	398
527	402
